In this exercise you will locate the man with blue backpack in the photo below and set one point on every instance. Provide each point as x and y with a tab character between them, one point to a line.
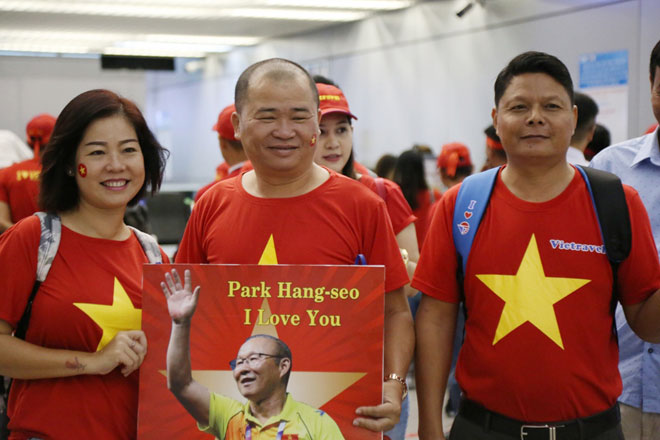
539	251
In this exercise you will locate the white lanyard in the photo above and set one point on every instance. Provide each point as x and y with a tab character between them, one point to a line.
280	431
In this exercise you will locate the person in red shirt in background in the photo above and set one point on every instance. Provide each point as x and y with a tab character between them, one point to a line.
454	163
19	183
231	149
409	175
495	154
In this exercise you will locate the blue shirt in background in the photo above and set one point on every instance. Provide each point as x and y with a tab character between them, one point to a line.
637	163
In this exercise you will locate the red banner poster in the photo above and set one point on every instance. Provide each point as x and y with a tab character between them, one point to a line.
331	317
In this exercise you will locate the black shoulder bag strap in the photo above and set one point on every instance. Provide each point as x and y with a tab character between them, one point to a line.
614	220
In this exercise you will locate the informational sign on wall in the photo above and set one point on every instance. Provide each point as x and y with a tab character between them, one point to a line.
604	77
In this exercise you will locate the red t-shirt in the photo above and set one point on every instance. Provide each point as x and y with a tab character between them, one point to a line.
247	166
85	271
331	224
221	171
397	207
19	188
425	199
538	338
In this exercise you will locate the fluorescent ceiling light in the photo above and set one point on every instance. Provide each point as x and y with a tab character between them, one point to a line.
203	39
97	42
342	4
41	47
171	47
296	14
203	11
152	52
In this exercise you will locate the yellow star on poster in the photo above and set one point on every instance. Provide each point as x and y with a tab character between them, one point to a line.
119	316
530	296
314	388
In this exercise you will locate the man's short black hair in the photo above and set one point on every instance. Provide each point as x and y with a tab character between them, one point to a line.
283	352
491	132
655	60
58	190
533	62
587	112
278	68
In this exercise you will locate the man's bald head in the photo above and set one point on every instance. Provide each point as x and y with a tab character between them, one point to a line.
275	69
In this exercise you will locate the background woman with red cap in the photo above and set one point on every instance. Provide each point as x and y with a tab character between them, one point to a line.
19	183
334	150
454	163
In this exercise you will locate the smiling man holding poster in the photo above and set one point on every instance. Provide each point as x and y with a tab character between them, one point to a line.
290	211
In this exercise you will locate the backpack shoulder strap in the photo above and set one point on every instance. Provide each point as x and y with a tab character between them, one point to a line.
612	211
380	188
51	234
149	246
49	241
471	202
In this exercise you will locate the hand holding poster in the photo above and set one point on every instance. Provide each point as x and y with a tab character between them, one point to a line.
329	317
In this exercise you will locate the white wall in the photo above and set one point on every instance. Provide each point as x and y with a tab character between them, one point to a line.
33	85
423	75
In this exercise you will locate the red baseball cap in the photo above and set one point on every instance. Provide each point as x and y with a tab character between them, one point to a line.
333	100
452	156
39	129
224	126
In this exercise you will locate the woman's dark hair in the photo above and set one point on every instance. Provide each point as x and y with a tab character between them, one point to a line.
59	191
349	168
385	165
409	175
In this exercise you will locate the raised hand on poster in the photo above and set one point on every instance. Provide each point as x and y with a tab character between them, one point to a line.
181	299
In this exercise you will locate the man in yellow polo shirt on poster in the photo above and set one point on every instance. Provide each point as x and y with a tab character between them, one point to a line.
261	370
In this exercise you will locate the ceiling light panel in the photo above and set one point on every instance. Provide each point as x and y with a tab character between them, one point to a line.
191	10
369	5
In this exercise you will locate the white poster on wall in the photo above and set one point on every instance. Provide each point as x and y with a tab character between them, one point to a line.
604	77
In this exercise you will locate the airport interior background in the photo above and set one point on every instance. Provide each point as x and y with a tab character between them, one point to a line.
414	72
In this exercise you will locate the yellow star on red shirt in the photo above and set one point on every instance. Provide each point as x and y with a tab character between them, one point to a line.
530	296
121	315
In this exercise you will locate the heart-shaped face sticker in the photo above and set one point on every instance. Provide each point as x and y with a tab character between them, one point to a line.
467	214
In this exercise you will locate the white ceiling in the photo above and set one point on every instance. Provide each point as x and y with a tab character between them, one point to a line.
186	28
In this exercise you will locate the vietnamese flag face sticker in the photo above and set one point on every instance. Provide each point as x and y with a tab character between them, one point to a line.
82	170
312	141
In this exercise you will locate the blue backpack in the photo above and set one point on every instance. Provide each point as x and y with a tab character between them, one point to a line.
607	196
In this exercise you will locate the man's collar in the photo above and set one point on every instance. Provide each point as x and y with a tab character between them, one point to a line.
650	149
288	413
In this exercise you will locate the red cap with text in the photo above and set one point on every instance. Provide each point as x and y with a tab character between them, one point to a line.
453	156
224	126
333	100
39	130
